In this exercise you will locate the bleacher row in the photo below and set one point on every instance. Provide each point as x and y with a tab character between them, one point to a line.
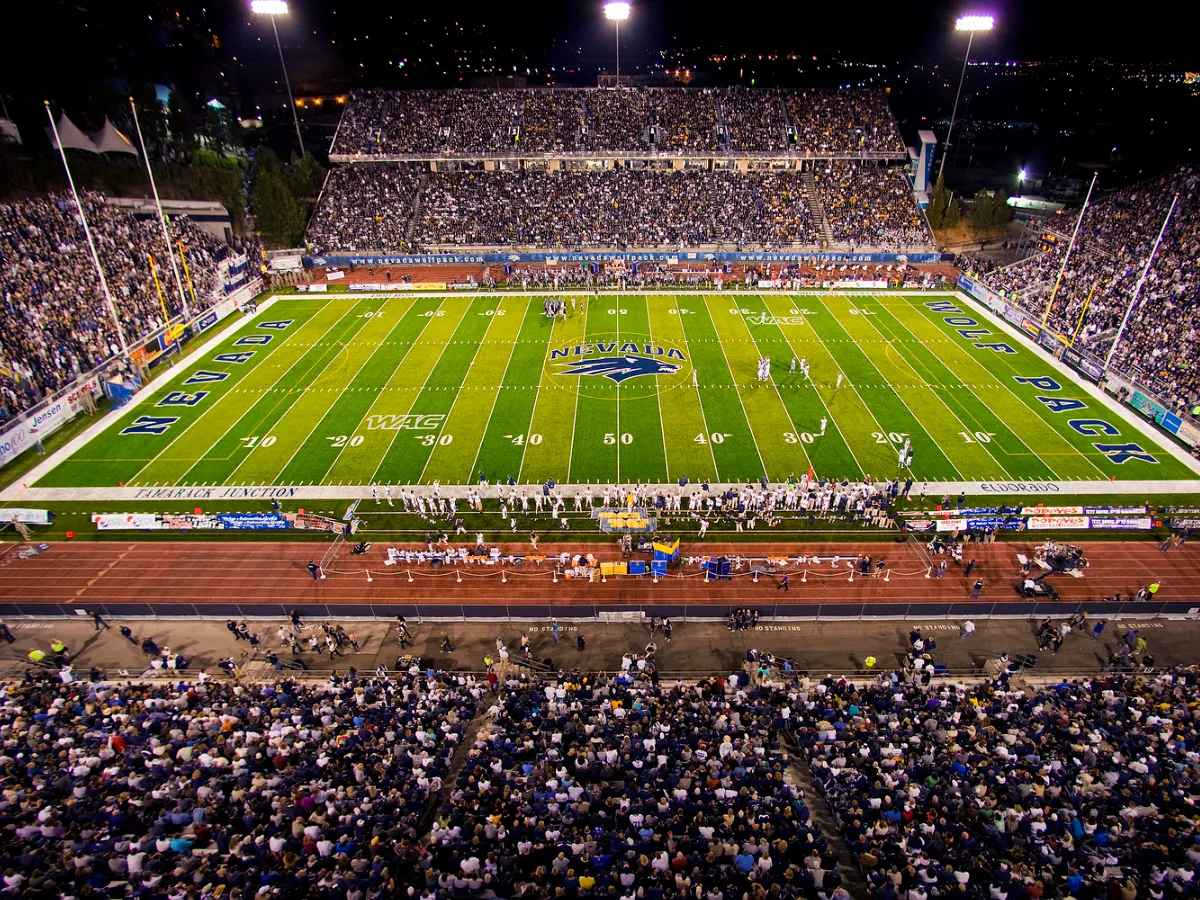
1115	238
396	207
675	120
433	785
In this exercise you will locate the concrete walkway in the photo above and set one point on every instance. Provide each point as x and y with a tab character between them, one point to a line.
697	648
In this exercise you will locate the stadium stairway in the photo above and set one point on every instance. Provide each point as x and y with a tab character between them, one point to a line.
813	196
800	774
472	732
414	212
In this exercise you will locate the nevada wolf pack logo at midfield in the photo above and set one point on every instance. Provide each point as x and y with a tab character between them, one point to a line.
629	360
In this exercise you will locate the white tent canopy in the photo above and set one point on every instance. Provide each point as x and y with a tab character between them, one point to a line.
70	135
109	140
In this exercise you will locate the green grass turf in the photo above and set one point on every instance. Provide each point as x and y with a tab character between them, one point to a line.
412	389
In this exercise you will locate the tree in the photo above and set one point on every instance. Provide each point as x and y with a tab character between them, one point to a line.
151	117
1002	213
179	121
953	215
936	211
983	211
276	214
305	177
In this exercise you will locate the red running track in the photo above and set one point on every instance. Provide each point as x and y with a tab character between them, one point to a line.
219	572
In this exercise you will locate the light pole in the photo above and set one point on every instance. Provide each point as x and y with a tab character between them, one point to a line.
273	8
617	13
969	24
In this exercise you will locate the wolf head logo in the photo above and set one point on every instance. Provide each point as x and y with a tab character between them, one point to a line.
618	368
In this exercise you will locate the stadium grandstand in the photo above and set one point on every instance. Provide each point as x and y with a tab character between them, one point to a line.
733	168
55	325
762	783
1115	239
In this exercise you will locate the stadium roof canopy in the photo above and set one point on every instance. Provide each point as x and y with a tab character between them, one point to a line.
70	135
109	140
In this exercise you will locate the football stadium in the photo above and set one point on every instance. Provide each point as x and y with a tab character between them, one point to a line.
658	388
598	456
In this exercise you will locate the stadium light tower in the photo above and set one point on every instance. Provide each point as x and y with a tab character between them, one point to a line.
969	24
273	9
617	13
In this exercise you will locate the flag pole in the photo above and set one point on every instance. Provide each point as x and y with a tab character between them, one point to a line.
1141	281
186	273
1070	247
162	218
162	300
87	233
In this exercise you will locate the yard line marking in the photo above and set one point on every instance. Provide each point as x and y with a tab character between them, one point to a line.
495	400
930	387
832	418
729	366
833	358
699	399
428	374
896	394
971	388
321	418
658	398
209	409
575	412
479	346
618	403
1051	428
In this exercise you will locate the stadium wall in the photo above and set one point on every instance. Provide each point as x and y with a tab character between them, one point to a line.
667	256
529	611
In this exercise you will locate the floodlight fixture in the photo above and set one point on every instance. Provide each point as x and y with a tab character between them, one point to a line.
274	9
617	13
974	23
1022	175
269	7
970	24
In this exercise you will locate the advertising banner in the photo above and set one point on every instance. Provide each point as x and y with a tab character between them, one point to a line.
952	525
1044	523
128	522
217	522
602	256
1121	523
26	516
1084	366
252	522
1052	511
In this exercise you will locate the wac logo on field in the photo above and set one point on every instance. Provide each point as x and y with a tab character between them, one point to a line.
617	361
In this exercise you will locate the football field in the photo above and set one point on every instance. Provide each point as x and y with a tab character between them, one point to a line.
365	389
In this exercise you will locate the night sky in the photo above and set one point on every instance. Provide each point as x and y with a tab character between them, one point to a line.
57	46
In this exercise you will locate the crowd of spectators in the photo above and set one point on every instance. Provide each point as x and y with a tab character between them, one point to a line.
619	787
365	208
372	208
686	120
846	121
615	785
54	321
871	207
613	208
209	790
1162	340
1084	789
